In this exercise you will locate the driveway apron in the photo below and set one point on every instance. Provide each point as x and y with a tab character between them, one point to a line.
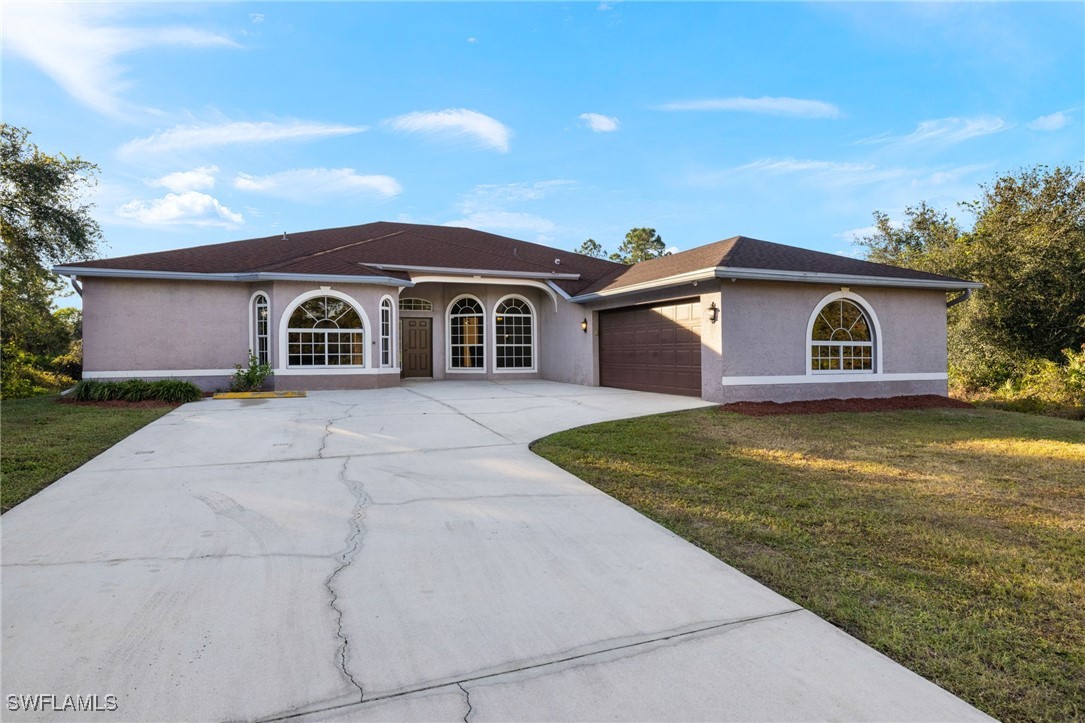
400	554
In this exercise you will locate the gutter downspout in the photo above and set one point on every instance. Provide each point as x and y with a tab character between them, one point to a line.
76	285
958	299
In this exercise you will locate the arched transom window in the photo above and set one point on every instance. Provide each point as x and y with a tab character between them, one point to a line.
514	343
261	339
842	339
466	334
325	331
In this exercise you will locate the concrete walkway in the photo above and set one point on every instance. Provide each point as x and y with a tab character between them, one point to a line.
401	555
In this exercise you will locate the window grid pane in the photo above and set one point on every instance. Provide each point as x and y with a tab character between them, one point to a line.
386	333
263	345
466	337
841	339
325	332
514	343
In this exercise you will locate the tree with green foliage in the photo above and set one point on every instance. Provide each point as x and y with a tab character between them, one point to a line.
592	248
1027	246
640	244
43	222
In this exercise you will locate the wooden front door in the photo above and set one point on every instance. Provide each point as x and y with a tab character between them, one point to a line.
417	347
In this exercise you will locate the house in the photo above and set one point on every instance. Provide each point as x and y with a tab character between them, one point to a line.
366	306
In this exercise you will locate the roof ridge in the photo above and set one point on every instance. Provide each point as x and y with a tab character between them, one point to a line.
295	259
491	253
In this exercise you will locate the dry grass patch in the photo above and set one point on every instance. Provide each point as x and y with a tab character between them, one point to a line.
951	540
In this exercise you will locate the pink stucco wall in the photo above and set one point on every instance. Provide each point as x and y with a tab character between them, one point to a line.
136	324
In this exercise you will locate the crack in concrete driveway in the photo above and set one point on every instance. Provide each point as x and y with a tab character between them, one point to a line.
384	555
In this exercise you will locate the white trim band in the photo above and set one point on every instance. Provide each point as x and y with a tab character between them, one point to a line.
168	373
834	378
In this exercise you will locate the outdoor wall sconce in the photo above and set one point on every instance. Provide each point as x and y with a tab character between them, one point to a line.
584	326
713	312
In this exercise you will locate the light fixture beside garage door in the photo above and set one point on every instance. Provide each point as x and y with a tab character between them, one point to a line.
584	325
713	312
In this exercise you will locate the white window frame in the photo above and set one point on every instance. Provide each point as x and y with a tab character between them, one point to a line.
254	336
449	369
284	335
387	302
423	304
534	336
876	334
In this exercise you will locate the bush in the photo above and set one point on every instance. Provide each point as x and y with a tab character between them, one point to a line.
21	375
1038	386
173	391
71	362
252	378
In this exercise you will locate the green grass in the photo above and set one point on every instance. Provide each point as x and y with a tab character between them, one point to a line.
951	540
41	441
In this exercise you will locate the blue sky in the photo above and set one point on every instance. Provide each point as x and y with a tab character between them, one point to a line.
548	122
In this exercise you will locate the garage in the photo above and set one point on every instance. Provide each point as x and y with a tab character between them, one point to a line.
652	348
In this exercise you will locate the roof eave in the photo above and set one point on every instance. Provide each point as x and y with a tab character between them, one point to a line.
245	276
447	271
809	277
817	277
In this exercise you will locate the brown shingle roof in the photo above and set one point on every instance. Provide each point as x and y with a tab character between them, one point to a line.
362	250
741	252
358	250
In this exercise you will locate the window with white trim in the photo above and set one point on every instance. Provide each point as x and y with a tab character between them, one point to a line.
514	345
842	339
325	332
466	334
386	332
413	304
260	329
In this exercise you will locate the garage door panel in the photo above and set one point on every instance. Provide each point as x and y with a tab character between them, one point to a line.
655	348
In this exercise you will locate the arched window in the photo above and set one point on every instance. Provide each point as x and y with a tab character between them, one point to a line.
408	303
386	332
261	338
514	335
325	332
466	335
841	339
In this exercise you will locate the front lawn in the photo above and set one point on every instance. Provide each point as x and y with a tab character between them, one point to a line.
41	440
951	540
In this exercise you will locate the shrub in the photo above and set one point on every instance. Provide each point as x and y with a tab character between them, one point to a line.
21	375
251	378
137	390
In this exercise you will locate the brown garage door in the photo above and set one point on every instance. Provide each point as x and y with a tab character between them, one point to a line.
652	348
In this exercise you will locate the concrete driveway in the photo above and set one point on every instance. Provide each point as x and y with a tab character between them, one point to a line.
401	555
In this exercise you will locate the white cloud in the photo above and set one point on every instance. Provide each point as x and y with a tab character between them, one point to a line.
256	17
184	138
945	131
792	107
494	196
794	165
74	45
599	123
190	208
455	123
472	40
195	180
1052	122
314	184
505	221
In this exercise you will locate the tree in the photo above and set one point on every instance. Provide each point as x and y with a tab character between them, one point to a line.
592	248
640	244
43	222
1027	246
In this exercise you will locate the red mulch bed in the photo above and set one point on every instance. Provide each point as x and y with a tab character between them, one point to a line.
119	404
825	406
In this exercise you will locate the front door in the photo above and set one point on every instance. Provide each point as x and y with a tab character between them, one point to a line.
417	347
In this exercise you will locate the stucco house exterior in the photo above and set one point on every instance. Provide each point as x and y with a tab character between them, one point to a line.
366	306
